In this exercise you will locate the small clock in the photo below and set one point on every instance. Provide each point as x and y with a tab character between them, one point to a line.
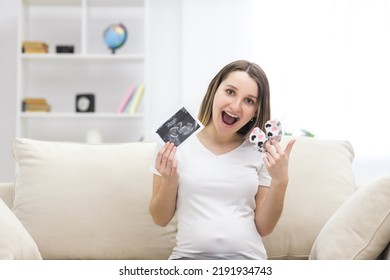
85	103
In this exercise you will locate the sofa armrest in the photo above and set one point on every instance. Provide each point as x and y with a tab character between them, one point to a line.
7	193
15	242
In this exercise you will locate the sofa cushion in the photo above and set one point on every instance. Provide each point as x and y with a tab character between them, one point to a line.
321	179
7	193
15	242
360	228
81	201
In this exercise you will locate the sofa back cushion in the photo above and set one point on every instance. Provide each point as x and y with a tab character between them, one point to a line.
81	201
321	180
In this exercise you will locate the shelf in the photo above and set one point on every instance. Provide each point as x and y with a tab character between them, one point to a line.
83	57
79	2
53	2
92	68
112	3
44	115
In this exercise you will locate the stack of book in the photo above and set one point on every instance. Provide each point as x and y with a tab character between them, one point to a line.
35	105
35	47
131	100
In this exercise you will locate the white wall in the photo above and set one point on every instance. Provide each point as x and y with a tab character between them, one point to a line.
164	59
329	66
190	41
8	30
214	33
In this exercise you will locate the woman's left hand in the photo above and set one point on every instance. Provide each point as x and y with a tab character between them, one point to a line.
276	160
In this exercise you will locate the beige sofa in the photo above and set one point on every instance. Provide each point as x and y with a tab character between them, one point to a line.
80	201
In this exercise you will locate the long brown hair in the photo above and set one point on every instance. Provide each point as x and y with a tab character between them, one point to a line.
255	72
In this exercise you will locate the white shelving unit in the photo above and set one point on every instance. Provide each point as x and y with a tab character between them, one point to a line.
92	68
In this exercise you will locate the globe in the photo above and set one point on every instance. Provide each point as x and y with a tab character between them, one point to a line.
115	36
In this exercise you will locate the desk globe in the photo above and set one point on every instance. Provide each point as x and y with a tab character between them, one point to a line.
115	36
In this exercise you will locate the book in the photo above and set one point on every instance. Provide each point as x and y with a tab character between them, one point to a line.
34	51
35	105
30	100
35	44
37	108
125	101
35	47
136	99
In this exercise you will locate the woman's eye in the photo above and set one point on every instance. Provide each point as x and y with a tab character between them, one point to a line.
250	101
229	91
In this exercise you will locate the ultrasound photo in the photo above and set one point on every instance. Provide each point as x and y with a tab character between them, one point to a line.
178	127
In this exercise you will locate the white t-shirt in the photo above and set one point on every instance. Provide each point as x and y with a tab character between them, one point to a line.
216	202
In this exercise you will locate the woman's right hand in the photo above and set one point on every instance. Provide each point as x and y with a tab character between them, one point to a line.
162	206
166	164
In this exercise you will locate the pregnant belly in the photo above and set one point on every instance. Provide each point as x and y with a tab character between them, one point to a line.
218	237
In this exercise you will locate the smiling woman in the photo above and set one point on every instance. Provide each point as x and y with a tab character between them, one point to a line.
328	63
241	188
